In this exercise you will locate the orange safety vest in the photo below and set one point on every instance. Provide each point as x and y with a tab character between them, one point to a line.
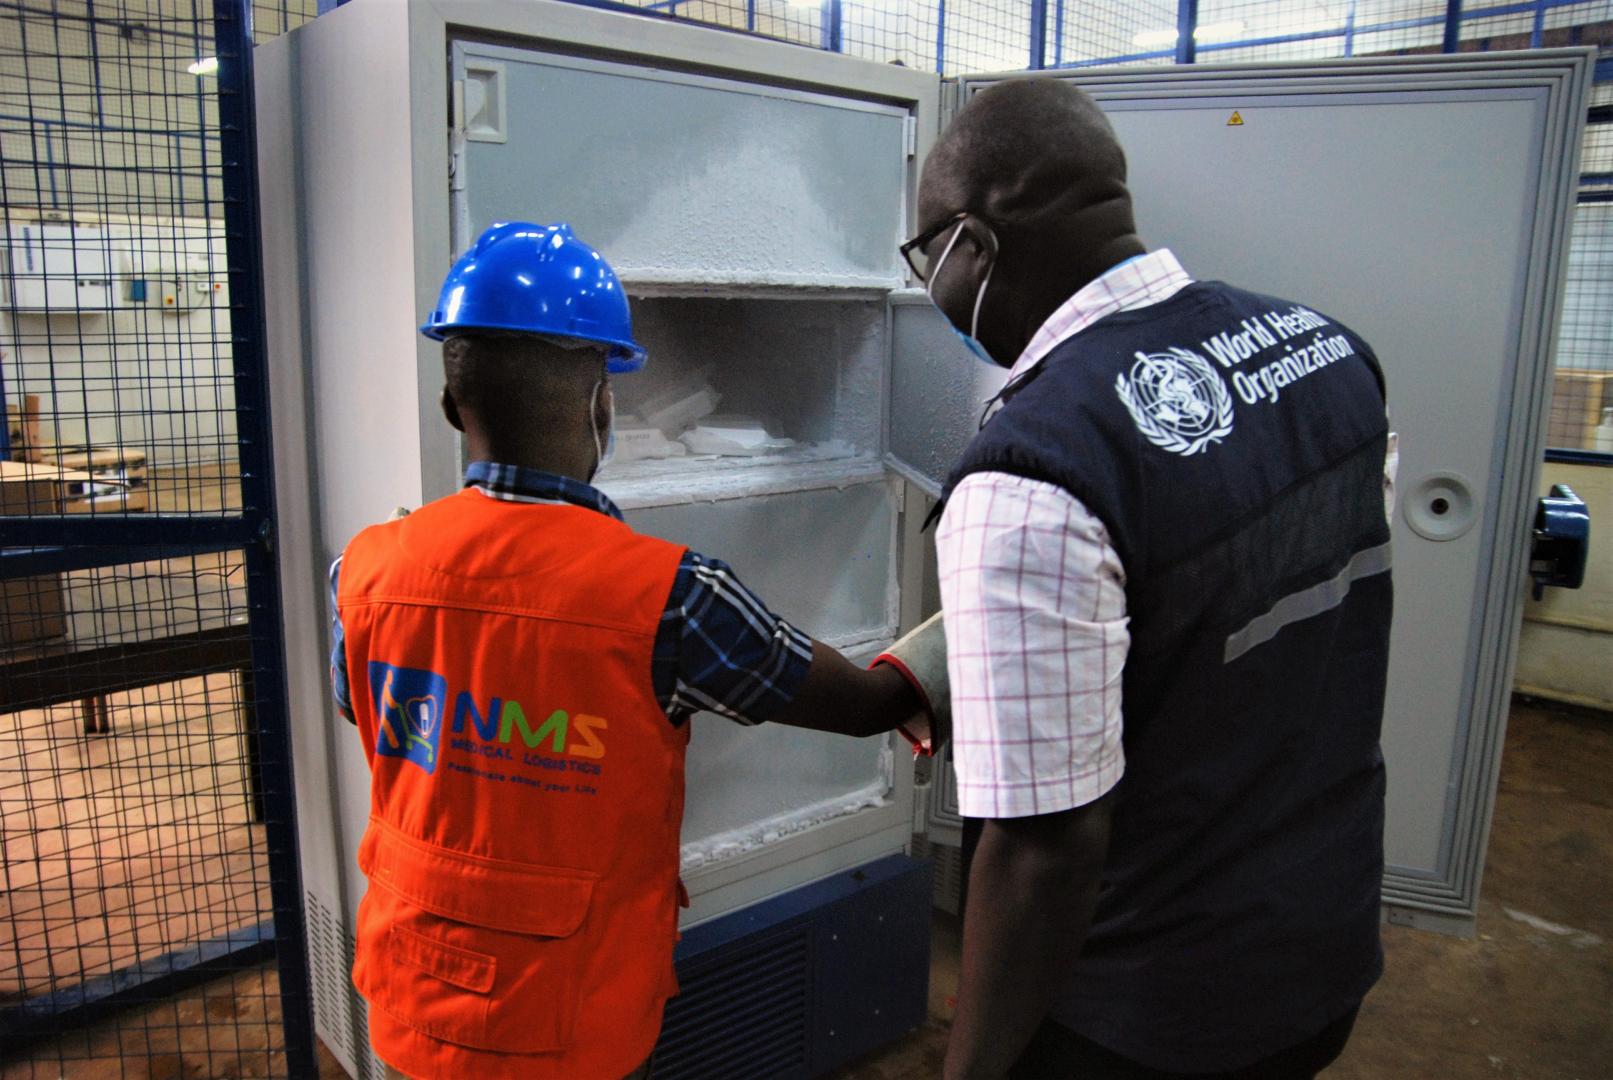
526	789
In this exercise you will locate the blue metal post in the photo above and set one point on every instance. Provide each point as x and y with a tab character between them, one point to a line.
1187	21
237	125
1538	32
832	29
941	37
1349	31
1453	26
750	16
1058	33
1038	57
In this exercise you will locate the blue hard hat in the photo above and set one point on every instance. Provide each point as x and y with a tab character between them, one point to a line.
537	279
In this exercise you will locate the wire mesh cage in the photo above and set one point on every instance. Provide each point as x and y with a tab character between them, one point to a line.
141	845
140	829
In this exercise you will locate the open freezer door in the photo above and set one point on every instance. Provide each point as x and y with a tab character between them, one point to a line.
1356	186
938	390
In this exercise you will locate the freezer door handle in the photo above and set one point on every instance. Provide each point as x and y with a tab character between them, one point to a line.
1562	541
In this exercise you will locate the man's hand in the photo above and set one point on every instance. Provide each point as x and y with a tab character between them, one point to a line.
841	697
1032	888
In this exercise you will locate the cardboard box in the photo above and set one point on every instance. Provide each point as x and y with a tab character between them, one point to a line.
22	429
1578	397
31	608
115	479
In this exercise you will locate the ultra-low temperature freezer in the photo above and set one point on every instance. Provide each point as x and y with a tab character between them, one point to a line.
752	196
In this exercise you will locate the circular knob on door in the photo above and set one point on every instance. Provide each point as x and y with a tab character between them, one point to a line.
1440	507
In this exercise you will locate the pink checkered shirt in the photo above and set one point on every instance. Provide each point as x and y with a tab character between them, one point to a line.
1035	602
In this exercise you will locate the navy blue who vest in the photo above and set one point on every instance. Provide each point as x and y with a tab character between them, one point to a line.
1233	445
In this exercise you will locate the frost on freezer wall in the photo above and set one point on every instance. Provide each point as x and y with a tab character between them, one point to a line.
809	370
704	850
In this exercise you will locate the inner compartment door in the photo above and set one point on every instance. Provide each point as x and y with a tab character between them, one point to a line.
938	392
685	181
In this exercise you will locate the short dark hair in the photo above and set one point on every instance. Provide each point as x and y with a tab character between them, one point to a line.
1026	149
506	378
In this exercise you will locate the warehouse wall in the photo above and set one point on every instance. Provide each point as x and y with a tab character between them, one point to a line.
104	127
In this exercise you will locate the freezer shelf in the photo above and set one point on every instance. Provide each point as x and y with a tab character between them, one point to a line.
672	481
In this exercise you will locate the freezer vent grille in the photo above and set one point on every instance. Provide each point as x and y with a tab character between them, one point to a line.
325	956
947	875
742	1016
339	1014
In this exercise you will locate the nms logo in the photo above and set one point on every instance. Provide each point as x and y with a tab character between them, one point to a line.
408	712
410	704
577	736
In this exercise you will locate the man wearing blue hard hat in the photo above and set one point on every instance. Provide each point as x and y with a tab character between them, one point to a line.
526	666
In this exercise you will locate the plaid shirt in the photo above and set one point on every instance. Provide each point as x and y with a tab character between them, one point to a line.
718	648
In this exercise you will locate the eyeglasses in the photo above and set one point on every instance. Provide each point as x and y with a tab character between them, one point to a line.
914	250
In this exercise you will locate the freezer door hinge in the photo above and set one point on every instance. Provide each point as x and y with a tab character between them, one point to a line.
951	91
911	133
456	138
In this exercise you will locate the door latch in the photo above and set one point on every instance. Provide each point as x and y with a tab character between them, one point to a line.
1562	541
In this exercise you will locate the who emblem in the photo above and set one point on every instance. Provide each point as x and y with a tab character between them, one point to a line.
1178	400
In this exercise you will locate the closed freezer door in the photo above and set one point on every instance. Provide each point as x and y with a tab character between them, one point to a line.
1423	205
1355	209
1422	209
683	180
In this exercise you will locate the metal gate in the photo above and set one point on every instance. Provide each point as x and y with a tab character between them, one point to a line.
151	906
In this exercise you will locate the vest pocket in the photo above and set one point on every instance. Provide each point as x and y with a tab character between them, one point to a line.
485	953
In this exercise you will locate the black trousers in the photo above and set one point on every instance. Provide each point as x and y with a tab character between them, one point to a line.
1057	1053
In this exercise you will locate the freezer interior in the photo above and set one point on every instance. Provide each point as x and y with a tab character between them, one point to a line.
746	395
753	435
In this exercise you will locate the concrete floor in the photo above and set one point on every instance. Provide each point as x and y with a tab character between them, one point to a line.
1529	998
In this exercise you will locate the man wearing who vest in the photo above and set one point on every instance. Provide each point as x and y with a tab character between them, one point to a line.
1165	572
522	667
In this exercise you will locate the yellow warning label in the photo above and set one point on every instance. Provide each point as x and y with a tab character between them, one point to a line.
1236	119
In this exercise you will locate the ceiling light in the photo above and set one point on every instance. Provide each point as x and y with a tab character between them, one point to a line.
1164	39
1153	39
1221	31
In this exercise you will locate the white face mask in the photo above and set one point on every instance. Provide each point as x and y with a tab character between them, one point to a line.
968	339
604	445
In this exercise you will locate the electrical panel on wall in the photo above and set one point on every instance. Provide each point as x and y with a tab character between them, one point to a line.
57	269
172	283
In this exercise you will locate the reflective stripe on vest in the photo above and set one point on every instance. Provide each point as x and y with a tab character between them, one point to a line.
526	790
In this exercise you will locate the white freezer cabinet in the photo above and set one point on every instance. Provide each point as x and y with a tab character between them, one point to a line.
58	269
752	197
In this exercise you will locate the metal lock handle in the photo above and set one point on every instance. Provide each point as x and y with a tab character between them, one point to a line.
1562	541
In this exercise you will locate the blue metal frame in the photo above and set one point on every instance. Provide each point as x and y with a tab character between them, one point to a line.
237	118
1038	35
97	999
1562	456
833	18
1453	26
1187	24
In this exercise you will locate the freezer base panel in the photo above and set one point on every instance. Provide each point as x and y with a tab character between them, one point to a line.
798	985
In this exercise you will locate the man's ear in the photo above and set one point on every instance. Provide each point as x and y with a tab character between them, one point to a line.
450	409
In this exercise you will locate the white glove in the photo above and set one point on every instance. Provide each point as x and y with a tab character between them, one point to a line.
921	657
